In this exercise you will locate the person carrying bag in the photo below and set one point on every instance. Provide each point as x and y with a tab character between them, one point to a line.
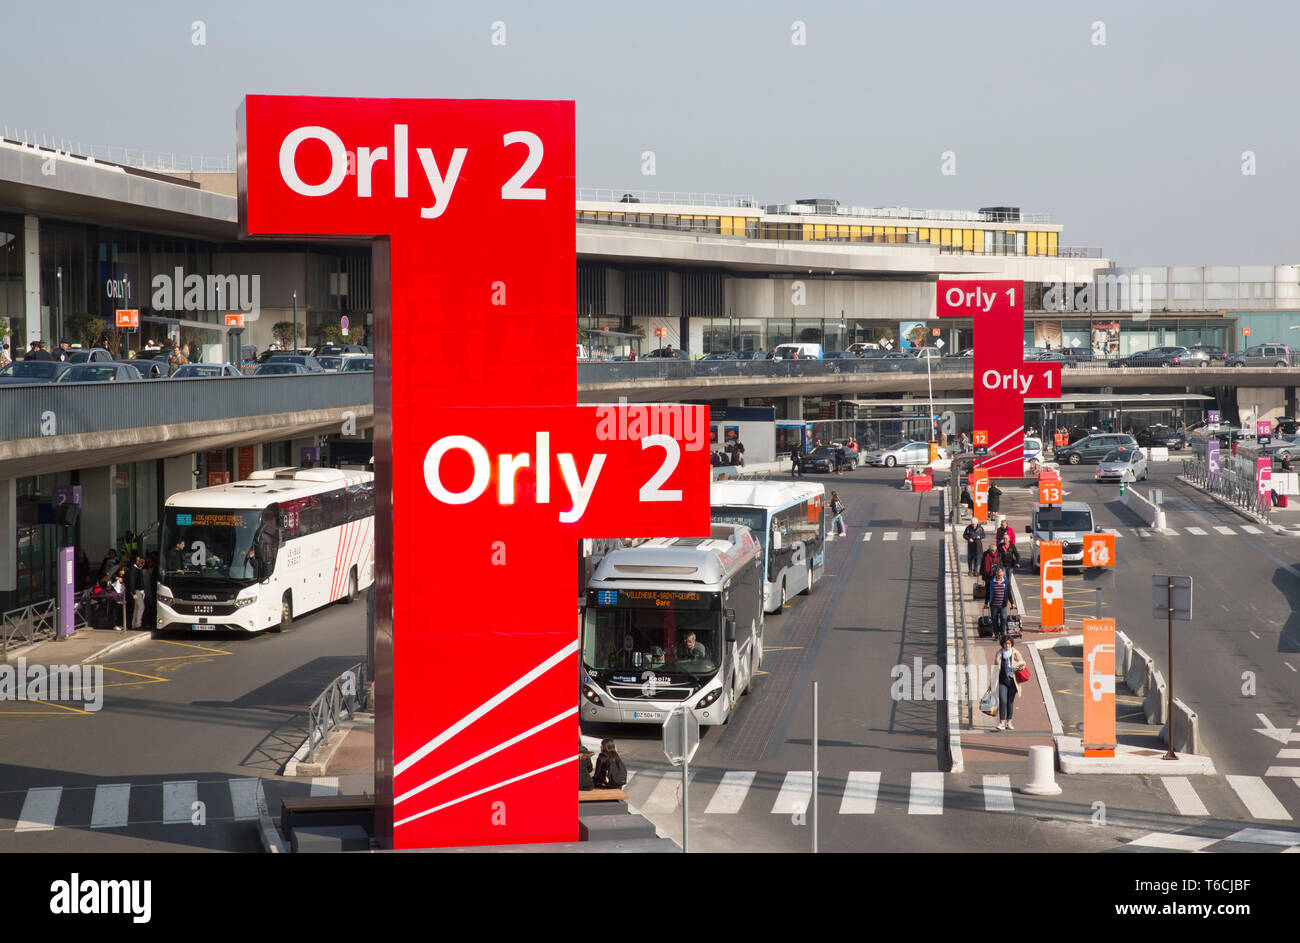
1009	671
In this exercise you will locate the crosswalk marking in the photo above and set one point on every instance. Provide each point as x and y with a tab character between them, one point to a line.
1257	797
1265	836
866	536
1145	532
997	794
112	802
40	807
795	794
926	797
1251	529
666	795
1171	842
1223	529
890	535
178	801
1186	801
1197	531
1168	531
1288	754
730	794
860	791
324	785
246	798
918	535
1291	771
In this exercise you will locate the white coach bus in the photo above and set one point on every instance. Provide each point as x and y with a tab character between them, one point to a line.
672	621
787	518
255	554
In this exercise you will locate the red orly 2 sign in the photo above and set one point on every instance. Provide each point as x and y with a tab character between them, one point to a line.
487	473
1003	381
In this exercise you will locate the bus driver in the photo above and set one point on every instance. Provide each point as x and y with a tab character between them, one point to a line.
690	650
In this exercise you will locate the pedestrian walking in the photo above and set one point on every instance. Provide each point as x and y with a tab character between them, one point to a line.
1007	670
837	514
998	598
109	563
740	452
995	498
794	462
81	571
135	591
974	536
1005	530
1008	555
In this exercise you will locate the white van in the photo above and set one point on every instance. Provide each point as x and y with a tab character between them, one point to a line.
806	352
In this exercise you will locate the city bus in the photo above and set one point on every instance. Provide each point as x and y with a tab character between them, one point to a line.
787	519
255	554
673	621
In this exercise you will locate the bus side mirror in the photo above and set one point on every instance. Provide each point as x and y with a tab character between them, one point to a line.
776	540
729	624
1029	531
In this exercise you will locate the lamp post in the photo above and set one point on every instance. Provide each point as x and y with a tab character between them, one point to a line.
59	273
293	347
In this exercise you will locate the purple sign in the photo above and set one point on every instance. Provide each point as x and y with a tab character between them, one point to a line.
67	587
1212	417
311	454
65	494
1212	460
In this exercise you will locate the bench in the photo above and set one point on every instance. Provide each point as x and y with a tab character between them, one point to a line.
324	810
602	795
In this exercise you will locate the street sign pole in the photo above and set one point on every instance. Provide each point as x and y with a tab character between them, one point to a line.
1169	585
814	771
686	788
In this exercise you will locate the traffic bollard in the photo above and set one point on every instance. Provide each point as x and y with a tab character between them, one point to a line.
1042	772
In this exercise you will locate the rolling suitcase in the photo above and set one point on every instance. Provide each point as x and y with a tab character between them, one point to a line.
981	592
1013	625
986	626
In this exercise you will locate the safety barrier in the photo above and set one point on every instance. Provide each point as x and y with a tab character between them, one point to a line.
1144	508
345	693
1187	729
1236	489
1140	670
1156	703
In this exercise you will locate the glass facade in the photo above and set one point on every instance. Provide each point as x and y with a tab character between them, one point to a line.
13	320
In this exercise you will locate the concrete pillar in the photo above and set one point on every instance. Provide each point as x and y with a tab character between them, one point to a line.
794	407
178	475
8	535
98	510
31	287
736	401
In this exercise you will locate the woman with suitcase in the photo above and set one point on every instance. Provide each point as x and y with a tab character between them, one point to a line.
1009	670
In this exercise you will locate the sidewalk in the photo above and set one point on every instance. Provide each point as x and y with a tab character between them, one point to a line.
82	646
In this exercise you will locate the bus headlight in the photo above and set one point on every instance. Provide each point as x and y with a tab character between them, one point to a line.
241	603
709	698
164	594
592	696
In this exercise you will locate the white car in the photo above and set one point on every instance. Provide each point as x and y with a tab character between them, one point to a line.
1122	465
903	453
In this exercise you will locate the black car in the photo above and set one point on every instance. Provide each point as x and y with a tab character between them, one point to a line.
826	458
1161	436
1158	357
667	353
22	372
1094	448
148	369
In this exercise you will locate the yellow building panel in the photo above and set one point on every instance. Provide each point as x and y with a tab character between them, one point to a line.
979	240
1051	243
945	237
923	235
968	240
806	231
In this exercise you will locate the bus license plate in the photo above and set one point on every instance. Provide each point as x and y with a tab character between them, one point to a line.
647	715
205	628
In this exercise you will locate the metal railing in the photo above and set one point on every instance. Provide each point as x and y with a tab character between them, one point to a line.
157	161
1240	490
28	624
664	198
344	693
28	412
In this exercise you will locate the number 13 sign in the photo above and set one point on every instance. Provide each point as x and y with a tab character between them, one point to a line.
486	476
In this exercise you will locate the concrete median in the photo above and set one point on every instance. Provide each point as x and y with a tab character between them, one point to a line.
1187	730
1139	672
1155	705
1143	508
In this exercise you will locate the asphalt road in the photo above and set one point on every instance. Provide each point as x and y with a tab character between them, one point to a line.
183	717
881	785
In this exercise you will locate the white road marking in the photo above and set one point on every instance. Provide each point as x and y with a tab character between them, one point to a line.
1251	529
1257	797
1290	771
866	536
730	794
1145	532
324	785
40	807
927	794
795	794
1169	531
666	795
860	791
1225	530
1186	801
997	794
112	802
890	535
1252	632
1174	842
246	798
1288	754
918	535
1197	531
178	800
1266	836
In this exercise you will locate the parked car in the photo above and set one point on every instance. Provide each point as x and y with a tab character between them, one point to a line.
1074	521
89	355
667	353
310	364
1262	355
278	368
1094	448
838	355
861	347
333	350
1211	352
194	370
722	355
903	452
32	371
926	353
99	373
1033	450
1156	357
358	365
1077	355
148	369
805	351
854	455
1122	465
1050	356
826	458
1161	436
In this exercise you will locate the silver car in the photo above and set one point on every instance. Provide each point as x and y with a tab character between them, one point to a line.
1123	465
903	453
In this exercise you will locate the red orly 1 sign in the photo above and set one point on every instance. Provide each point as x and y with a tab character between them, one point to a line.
1003	381
487	473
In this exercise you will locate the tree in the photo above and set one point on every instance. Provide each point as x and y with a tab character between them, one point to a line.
331	333
83	328
282	331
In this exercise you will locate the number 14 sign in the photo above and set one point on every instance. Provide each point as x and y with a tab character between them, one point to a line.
1098	549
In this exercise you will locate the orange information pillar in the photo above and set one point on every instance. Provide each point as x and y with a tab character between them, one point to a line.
1051	586
1099	687
979	482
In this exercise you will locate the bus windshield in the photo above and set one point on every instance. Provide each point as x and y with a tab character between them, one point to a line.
211	544
753	518
665	640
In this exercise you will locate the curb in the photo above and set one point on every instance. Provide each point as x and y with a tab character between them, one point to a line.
1251	516
956	760
118	646
297	765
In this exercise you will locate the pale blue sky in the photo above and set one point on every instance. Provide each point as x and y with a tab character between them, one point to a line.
1134	146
